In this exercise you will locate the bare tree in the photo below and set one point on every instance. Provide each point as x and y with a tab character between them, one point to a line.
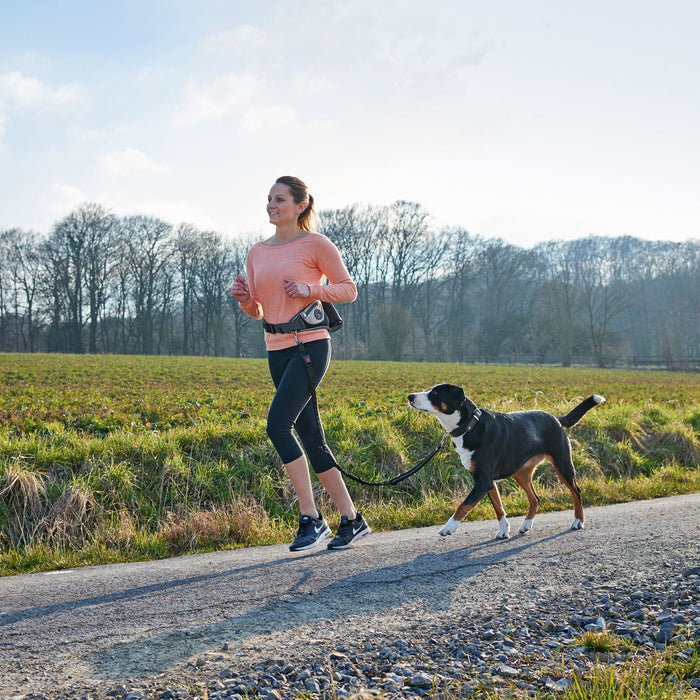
604	297
187	246
147	254
23	259
430	314
560	301
241	322
407	236
53	273
508	278
360	234
81	246
461	294
214	274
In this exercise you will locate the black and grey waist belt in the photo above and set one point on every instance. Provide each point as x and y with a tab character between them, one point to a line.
318	314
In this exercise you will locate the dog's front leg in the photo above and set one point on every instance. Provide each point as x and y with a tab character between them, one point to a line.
450	527
475	495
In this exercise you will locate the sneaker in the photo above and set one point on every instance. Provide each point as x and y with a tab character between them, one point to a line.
349	531
311	532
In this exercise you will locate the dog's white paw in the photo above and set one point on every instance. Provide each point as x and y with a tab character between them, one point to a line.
526	526
449	527
577	524
503	529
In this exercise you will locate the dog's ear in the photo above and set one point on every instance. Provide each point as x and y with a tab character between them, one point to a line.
457	393
456	396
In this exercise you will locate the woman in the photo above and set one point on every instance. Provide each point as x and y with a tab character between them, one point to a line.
285	273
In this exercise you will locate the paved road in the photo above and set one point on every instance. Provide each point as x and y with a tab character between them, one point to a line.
121	623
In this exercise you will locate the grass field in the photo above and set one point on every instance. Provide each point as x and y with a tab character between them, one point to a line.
113	458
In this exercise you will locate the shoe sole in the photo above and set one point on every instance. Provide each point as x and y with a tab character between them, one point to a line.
322	536
358	536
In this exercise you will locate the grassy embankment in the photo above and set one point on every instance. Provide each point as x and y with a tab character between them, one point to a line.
107	458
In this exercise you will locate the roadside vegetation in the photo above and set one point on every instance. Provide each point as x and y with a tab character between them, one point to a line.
120	458
635	674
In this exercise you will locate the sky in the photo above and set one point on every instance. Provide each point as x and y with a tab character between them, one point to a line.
522	120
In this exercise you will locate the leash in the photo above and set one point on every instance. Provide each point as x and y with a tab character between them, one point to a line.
306	359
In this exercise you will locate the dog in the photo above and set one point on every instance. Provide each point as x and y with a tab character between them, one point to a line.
494	446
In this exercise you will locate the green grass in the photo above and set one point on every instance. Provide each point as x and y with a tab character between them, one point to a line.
646	676
109	458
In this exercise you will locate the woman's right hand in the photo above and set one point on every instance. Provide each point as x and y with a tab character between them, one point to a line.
240	290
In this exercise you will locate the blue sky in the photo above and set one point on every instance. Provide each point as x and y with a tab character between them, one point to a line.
529	121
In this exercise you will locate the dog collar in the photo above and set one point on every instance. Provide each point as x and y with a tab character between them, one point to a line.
471	424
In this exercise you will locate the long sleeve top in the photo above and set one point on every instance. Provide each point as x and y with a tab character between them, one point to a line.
312	259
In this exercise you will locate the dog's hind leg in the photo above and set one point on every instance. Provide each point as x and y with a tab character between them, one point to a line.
564	467
503	525
524	478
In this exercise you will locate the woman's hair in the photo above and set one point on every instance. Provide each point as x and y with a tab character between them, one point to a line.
308	219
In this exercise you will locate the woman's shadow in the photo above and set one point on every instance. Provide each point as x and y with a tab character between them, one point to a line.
366	593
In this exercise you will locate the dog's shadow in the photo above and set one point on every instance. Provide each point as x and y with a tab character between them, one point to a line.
366	593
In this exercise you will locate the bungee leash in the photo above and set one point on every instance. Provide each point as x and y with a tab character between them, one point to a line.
306	359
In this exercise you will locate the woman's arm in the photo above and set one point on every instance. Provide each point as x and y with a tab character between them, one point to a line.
341	288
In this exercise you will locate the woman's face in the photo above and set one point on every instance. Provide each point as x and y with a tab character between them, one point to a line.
281	207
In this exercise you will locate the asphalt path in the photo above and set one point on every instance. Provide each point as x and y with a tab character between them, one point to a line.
119	624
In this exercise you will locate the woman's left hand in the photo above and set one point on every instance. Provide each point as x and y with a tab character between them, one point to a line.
294	288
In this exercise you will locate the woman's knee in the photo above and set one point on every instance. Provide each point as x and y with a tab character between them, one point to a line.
277	433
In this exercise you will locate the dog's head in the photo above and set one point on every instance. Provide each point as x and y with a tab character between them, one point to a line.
442	399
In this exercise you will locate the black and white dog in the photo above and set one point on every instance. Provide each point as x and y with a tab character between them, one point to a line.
494	446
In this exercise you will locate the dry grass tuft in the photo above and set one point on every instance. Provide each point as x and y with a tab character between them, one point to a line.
682	446
23	493
72	517
123	532
240	523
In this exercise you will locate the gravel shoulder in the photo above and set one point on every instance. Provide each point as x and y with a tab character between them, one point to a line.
398	610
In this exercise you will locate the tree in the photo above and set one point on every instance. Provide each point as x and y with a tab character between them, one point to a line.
22	249
187	246
81	245
359	232
560	302
604	297
508	276
147	253
214	274
240	320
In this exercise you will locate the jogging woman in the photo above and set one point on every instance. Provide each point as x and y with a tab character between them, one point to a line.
285	273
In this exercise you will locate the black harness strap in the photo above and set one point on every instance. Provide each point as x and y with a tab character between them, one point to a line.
306	359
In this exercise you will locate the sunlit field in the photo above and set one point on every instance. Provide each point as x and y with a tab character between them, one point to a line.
115	458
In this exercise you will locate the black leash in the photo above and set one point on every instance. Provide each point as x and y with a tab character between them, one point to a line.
306	359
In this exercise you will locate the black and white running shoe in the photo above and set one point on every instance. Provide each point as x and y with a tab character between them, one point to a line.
311	532
349	531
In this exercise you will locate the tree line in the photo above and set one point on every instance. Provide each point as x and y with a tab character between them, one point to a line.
99	283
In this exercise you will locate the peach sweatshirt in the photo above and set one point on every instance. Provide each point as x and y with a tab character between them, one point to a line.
312	259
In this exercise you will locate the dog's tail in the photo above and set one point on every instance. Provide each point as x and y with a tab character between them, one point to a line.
574	416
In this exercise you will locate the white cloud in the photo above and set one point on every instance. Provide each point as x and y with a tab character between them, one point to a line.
173	211
256	119
244	38
66	197
310	84
27	91
227	96
19	91
129	161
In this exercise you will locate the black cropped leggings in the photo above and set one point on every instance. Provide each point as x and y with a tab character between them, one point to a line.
292	407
